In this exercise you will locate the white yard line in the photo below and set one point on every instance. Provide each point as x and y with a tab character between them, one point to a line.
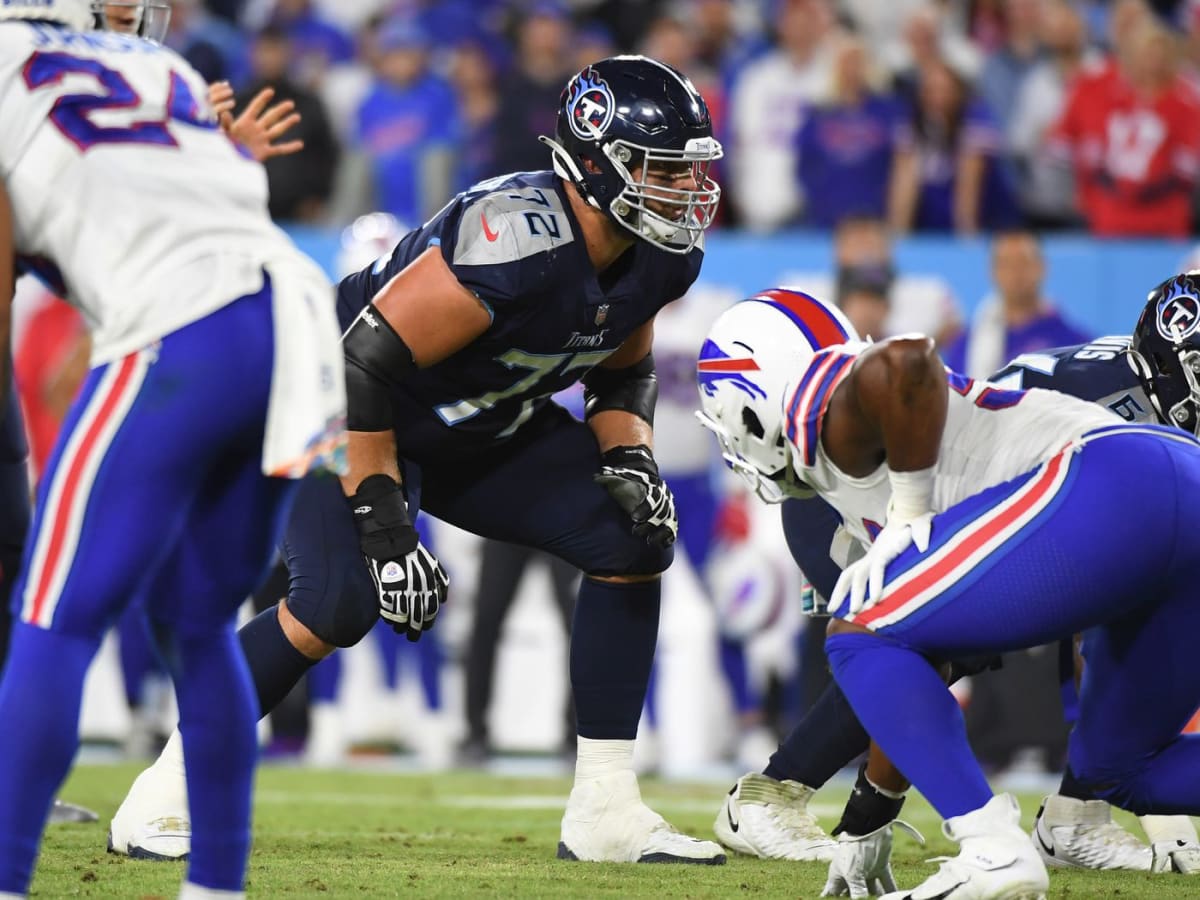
491	801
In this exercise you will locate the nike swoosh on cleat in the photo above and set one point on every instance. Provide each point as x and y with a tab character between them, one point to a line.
1049	850
487	232
733	823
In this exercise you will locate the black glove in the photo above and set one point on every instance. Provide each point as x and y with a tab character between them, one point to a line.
630	476
409	580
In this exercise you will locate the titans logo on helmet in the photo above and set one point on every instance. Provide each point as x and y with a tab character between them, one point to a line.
590	104
1178	314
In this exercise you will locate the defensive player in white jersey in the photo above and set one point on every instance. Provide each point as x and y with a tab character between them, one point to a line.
216	381
996	520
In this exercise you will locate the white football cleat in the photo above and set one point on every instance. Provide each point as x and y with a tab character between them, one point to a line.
770	819
996	862
153	821
1080	834
606	821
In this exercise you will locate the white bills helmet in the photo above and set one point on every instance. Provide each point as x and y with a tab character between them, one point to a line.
753	351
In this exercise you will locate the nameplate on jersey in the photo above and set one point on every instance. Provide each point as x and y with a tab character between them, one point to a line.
509	225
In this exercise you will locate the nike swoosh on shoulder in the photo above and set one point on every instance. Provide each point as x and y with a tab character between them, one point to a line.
487	232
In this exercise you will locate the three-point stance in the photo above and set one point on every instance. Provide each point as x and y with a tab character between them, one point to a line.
996	519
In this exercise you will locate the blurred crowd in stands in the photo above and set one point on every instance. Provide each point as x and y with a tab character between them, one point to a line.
945	116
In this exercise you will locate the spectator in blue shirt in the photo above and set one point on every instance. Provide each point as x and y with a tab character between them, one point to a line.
1007	67
529	93
215	48
1016	318
408	126
846	146
316	42
473	73
953	179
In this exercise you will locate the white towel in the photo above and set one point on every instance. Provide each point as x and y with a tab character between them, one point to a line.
306	418
986	339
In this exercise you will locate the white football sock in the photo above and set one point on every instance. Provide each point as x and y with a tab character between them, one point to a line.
595	758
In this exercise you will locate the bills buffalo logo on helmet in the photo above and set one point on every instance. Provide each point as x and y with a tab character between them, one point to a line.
1178	314
590	104
716	366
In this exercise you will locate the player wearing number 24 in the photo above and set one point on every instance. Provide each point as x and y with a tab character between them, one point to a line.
455	342
215	385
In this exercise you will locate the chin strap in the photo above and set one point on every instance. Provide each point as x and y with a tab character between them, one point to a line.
565	167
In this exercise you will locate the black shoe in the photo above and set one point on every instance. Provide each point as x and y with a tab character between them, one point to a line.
474	753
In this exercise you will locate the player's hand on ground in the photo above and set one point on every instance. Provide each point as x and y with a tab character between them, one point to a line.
409	580
630	475
1175	856
259	128
862	581
862	864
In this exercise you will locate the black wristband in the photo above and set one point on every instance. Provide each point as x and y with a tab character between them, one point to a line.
381	516
867	809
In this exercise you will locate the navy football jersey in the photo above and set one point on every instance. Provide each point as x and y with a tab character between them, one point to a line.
514	242
1096	371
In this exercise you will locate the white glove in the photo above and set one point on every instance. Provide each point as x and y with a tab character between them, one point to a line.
863	581
1176	856
862	864
908	523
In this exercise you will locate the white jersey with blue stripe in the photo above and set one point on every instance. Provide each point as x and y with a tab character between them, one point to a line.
992	434
127	198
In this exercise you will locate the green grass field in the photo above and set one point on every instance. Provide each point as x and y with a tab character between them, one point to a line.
368	834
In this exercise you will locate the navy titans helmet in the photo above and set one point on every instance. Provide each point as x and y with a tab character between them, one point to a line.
635	137
1165	351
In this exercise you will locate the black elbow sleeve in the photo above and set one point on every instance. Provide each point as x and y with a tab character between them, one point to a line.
376	359
633	389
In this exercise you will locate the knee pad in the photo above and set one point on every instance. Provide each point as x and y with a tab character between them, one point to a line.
637	558
345	611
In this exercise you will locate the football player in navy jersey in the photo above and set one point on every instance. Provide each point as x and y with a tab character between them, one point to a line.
1145	378
516	289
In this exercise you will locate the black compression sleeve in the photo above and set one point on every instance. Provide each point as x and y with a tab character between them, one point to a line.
633	389
376	359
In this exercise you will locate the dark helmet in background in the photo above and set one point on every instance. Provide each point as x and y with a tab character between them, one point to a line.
1165	351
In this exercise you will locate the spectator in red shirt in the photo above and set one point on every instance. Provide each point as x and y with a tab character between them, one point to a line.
1132	130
